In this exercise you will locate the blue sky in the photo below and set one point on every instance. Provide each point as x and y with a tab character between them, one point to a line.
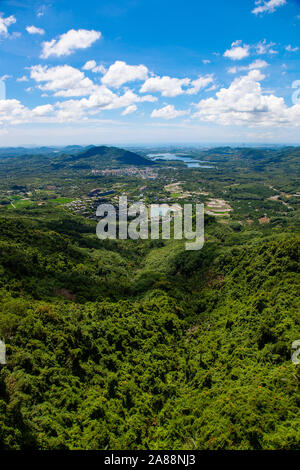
131	71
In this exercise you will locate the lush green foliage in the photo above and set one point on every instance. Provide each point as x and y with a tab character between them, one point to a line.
143	345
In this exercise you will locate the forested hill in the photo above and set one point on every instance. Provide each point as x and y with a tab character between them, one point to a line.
283	159
114	155
142	345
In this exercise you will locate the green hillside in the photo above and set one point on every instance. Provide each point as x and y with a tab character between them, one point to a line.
193	355
140	344
111	155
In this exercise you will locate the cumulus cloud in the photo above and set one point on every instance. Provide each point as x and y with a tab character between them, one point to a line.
69	42
11	111
89	65
245	103
257	64
267	6
5	23
199	84
149	98
238	51
289	48
62	80
263	47
167	112
35	30
22	79
66	81
130	109
120	73
14	112
99	69
73	110
92	65
102	99
128	98
42	110
167	86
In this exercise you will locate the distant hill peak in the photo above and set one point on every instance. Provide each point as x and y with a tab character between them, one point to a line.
115	154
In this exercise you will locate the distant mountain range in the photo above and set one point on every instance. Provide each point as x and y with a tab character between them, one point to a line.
72	153
75	157
69	158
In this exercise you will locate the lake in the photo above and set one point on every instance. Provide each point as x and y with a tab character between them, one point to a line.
188	161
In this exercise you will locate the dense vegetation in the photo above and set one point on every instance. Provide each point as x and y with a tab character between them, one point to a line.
113	155
141	344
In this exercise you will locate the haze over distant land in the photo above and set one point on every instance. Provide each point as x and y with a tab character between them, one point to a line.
140	72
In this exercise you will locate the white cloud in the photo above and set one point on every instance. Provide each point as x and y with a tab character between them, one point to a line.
265	48
22	79
92	65
74	110
13	112
235	69
41	11
130	109
212	88
244	103
289	48
34	30
257	64
238	51
200	83
128	98
101	99
104	99
66	81
89	65
206	61
122	101
69	42
149	98
120	73
79	110
167	86
269	6
167	112
99	69
42	110
62	80
5	23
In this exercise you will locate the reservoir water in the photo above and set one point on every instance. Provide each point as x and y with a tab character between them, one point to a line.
188	161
